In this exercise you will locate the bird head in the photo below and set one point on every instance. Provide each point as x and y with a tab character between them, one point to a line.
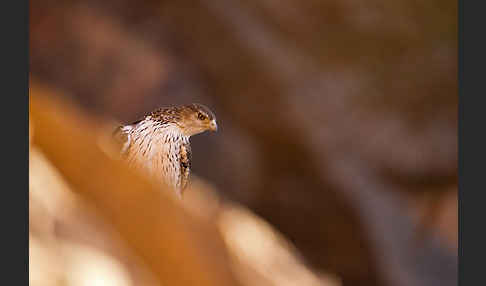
196	118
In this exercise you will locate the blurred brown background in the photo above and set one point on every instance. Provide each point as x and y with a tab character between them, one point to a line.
338	121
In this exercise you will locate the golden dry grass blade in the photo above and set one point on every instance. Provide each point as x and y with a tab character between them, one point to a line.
178	247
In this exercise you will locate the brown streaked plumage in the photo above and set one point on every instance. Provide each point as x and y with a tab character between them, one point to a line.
159	142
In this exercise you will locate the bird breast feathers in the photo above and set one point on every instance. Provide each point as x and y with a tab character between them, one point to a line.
149	137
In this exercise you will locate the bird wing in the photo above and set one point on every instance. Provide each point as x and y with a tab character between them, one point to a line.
122	137
185	161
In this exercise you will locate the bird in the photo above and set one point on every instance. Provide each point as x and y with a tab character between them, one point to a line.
158	143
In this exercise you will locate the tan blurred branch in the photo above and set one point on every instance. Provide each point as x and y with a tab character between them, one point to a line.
180	248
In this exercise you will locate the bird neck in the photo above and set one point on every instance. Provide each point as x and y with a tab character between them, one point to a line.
154	131
151	139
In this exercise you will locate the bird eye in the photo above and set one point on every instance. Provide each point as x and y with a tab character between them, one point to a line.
201	116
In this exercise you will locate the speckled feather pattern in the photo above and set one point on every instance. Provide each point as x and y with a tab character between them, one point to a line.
158	147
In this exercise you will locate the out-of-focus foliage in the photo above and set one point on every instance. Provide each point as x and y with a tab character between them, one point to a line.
337	118
104	225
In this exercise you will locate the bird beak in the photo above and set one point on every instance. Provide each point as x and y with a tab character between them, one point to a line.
213	126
